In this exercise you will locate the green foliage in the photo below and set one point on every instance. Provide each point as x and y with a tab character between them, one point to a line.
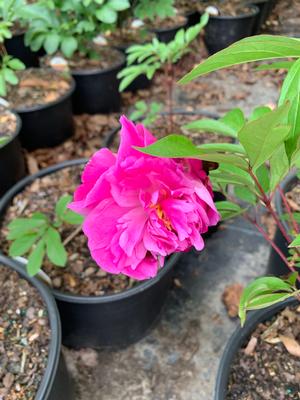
295	242
4	140
8	67
148	58
146	113
38	236
69	25
264	292
151	9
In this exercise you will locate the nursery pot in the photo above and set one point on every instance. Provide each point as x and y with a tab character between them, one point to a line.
166	35
193	18
264	7
238	339
56	383
12	163
47	125
97	90
15	47
112	320
275	265
222	31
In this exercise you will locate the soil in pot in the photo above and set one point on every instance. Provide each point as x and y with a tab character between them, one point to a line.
38	87
24	337
167	23
81	276
231	8
268	367
8	125
127	35
185	7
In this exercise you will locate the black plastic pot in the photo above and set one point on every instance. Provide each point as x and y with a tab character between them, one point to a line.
193	18
141	82
111	320
239	339
56	383
12	163
47	125
275	265
222	31
16	47
97	91
264	7
165	35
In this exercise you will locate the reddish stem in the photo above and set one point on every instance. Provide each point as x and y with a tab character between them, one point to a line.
289	210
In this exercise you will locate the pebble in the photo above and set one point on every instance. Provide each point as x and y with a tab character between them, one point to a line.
89	271
8	380
57	282
30	313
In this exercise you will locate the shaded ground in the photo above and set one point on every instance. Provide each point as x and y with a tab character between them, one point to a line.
179	358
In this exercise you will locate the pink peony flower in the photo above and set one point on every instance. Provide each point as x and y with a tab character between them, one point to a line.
139	209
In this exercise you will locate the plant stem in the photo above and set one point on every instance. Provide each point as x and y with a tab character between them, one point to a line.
72	235
269	207
169	84
288	209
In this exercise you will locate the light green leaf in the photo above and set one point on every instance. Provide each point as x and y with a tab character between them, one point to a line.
68	46
55	249
35	259
21	226
118	5
254	48
228	210
245	194
211	125
51	42
279	166
22	245
295	242
275	65
259	112
106	14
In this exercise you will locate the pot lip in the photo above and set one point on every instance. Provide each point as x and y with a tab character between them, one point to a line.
285	186
252	13
176	26
69	297
237	339
17	131
99	71
40	107
55	327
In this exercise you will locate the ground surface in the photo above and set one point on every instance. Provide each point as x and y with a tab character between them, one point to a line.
178	360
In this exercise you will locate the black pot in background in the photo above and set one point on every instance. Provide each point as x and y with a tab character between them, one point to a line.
193	18
141	82
222	31
56	383
47	125
264	11
275	265
97	91
166	35
16	47
115	320
12	163
239	339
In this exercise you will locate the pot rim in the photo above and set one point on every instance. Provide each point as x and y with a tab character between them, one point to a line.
40	107
70	297
254	11
17	130
55	328
99	71
166	30
237	339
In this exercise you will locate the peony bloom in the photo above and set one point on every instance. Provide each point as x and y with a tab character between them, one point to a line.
139	209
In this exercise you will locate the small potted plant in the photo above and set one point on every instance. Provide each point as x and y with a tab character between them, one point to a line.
261	357
14	24
136	242
161	17
229	22
32	363
66	33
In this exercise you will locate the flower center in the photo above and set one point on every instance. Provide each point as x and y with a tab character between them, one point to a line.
162	216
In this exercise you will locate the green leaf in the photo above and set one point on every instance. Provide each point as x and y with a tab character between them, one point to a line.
61	205
51	42
68	46
107	15
234	119
22	245
35	259
10	76
263	176
279	166
259	112
16	64
118	5
245	194
228	210
72	218
263	136
295	242
55	249
211	125
21	226
254	48
275	65
256	294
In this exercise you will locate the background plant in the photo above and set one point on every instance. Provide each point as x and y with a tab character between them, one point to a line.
147	59
152	9
70	25
252	169
38	236
146	113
